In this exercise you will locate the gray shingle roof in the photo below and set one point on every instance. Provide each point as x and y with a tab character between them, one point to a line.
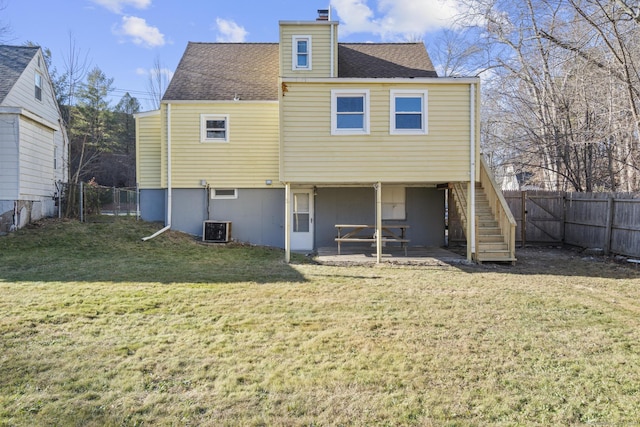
13	61
384	60
222	71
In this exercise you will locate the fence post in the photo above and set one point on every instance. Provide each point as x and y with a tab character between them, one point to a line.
608	229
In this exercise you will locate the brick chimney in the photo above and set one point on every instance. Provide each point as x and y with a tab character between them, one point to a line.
323	15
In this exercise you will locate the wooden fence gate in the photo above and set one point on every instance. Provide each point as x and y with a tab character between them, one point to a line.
591	220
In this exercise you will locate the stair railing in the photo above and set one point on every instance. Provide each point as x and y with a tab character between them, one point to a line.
499	206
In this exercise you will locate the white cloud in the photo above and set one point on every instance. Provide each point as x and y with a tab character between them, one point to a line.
229	31
140	32
355	15
394	19
116	6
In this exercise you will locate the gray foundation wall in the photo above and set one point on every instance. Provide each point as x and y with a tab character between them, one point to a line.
424	207
257	215
152	205
27	212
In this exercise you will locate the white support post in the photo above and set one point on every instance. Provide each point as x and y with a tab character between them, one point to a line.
378	188
287	222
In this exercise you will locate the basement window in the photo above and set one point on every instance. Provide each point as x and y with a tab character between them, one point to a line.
224	193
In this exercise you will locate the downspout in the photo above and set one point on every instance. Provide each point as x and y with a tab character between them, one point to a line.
169	200
332	44
472	168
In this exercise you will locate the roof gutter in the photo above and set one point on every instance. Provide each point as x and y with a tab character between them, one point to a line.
169	195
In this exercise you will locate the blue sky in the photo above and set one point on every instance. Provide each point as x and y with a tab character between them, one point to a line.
125	37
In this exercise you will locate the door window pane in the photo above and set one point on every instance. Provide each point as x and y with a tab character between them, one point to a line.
301	212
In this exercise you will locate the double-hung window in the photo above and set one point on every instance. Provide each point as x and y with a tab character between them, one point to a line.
349	112
301	52
214	128
38	86
408	112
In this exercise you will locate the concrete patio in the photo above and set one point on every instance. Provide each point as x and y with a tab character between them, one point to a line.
366	254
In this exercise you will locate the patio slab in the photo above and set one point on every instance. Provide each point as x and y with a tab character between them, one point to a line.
365	254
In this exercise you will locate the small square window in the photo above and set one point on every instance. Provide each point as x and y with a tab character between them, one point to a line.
408	112
301	59
214	128
349	112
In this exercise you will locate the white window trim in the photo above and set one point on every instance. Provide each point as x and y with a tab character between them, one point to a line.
294	53
203	127
214	194
392	119
335	93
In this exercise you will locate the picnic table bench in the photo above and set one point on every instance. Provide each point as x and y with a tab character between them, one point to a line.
392	233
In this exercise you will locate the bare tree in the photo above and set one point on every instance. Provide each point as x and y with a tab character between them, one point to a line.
454	56
562	100
158	81
5	29
76	67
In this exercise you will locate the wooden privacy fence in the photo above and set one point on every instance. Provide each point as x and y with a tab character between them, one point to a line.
609	221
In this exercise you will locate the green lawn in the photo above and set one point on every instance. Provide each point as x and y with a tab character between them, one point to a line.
98	328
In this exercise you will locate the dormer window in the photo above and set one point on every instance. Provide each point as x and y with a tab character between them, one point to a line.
38	86
301	53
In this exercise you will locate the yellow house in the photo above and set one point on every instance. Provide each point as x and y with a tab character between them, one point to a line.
309	142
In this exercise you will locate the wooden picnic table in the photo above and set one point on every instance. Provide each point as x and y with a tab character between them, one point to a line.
367	233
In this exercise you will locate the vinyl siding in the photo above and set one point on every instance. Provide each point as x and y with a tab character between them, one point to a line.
32	158
246	161
9	171
37	178
310	154
320	48
148	150
23	92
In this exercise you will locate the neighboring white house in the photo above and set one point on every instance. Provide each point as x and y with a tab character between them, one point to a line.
33	142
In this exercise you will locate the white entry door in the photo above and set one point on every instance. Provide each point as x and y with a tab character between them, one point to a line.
301	220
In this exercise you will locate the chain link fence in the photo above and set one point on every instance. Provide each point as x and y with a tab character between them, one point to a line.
86	201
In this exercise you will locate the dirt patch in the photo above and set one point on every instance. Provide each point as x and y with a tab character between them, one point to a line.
567	261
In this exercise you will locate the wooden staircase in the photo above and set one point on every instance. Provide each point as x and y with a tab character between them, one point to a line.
494	223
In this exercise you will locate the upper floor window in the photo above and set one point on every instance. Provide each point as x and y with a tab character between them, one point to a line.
301	52
38	86
214	128
349	112
408	112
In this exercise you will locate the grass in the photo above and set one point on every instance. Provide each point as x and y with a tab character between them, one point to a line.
100	329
